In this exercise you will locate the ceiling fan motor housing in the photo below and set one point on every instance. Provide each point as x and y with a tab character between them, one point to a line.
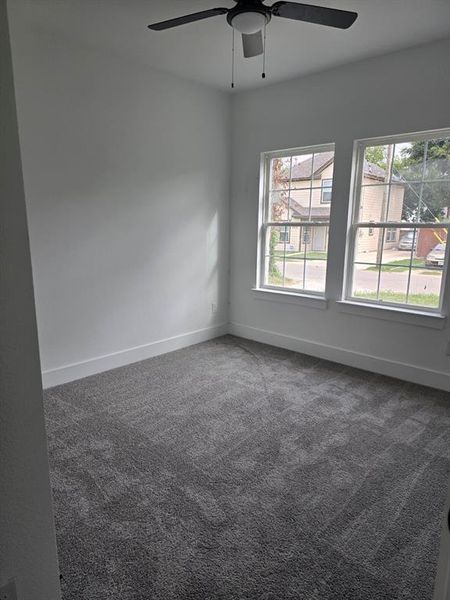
249	7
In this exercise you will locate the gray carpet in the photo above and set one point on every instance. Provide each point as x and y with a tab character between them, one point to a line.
233	470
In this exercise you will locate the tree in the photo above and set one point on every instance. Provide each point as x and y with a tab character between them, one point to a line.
376	155
280	180
428	202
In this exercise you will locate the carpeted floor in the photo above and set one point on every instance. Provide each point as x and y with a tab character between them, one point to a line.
233	470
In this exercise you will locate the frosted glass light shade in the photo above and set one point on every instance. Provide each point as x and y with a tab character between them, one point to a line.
248	22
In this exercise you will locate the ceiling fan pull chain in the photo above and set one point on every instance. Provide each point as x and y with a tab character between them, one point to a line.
232	59
263	75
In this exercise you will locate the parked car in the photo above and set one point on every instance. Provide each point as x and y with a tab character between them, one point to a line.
436	257
406	241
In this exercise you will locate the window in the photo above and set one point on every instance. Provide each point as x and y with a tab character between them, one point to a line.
391	234
327	187
294	221
284	234
401	213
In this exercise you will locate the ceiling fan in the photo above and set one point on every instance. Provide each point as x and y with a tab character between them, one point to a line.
250	17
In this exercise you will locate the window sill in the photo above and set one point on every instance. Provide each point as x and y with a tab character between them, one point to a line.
310	301
389	313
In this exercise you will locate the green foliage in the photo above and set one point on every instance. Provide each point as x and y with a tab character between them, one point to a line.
428	202
430	300
273	269
376	155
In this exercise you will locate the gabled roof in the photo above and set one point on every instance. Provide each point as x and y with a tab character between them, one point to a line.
302	212
304	170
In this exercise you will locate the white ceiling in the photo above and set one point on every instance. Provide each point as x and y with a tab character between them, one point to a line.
202	51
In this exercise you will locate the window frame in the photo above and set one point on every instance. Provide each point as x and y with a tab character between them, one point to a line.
264	223
354	226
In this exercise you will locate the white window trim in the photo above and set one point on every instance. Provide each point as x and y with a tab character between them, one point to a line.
355	191
284	296
263	222
392	313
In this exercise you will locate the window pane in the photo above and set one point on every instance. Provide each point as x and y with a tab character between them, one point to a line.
427	202
295	270
393	284
436	202
366	244
408	162
365	281
300	201
425	287
302	173
315	275
274	263
278	206
428	266
437	164
323	165
373	203
395	210
280	172
376	164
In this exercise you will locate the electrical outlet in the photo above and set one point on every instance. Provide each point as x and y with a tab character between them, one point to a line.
214	308
8	591
448	349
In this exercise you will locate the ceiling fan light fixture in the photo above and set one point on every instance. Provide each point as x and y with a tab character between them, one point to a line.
249	22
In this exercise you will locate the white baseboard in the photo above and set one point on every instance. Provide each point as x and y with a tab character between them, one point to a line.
399	370
98	364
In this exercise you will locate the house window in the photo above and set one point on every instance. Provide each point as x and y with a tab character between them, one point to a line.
294	223
402	195
327	187
284	235
391	235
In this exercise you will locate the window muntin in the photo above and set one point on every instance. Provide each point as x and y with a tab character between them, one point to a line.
295	220
401	214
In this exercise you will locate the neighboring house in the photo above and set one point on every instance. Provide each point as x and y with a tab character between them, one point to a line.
309	199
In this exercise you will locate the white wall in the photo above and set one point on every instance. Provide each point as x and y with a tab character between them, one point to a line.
27	541
127	188
402	92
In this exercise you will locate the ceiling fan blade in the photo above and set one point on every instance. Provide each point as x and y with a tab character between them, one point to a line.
198	16
320	15
252	44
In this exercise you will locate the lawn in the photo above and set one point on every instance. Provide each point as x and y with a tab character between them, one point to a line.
277	279
430	300
295	255
398	266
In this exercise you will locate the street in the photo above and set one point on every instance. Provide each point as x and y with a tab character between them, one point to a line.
423	280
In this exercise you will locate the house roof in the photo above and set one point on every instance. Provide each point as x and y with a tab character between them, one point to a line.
302	212
302	170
